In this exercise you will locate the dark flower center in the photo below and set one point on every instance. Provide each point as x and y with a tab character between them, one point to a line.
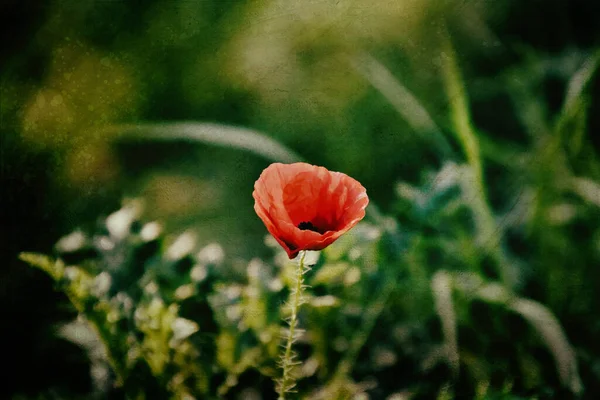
308	225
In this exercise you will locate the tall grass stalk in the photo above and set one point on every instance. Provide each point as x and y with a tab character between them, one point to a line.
488	232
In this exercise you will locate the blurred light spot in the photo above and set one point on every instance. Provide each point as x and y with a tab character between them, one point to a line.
79	332
71	242
354	253
211	254
310	367
100	373
183	328
447	177
71	273
105	243
389	224
494	293
231	380
384	357
275	285
113	316
254	268
119	222
271	242
372	232
242	326
178	379
410	193
233	312
312	257
101	284
325	301
184	292
199	273
151	288
265	336
561	214
233	292
352	276
281	258
150	231
588	189
182	246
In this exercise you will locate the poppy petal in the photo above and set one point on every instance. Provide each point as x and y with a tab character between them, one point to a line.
306	207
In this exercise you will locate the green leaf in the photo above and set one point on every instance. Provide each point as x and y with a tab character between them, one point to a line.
54	268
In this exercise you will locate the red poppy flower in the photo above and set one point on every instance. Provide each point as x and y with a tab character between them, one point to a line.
306	207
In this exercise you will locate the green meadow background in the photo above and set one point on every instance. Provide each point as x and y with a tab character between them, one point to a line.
135	132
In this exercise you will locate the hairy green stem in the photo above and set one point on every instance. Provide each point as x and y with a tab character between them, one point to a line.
287	381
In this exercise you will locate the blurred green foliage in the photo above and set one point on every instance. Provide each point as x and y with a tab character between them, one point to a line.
473	126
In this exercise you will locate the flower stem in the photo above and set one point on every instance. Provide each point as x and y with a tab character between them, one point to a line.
287	381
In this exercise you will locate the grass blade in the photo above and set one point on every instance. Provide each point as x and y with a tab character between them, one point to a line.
441	287
211	134
407	105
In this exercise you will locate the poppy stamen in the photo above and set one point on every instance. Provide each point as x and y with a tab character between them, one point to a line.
307	225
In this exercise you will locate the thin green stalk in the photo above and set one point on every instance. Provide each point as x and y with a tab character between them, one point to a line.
287	381
461	119
369	320
489	232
